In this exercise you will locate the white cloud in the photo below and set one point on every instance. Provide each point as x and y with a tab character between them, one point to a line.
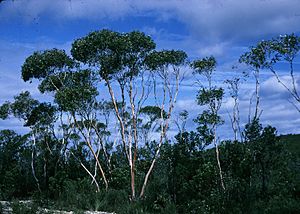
216	50
235	19
209	20
271	90
276	110
12	56
13	124
216	27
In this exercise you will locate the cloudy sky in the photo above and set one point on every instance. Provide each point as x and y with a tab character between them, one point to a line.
222	28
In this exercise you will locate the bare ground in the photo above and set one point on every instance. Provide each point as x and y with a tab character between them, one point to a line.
6	209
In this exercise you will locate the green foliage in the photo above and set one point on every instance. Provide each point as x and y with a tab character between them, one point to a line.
90	49
23	207
113	201
158	60
273	55
211	97
205	121
4	110
266	53
23	105
207	96
260	174
154	112
14	167
208	118
77	194
204	66
252	130
31	111
149	116
257	56
74	90
41	64
284	48
111	52
292	142
41	115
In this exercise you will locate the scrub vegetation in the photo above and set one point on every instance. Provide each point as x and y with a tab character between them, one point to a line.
104	141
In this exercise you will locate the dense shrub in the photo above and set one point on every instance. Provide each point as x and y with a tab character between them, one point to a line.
260	175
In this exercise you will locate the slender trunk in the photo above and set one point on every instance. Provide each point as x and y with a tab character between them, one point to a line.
111	92
235	128
122	87
153	162
90	174
95	168
103	148
99	165
132	185
294	90
88	142
132	170
214	106
45	172
238	121
257	88
128	151
32	164
164	127
218	160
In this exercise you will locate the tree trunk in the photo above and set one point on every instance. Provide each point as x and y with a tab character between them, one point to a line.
32	164
135	137
257	89
219	165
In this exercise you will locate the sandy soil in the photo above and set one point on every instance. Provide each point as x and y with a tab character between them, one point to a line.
6	209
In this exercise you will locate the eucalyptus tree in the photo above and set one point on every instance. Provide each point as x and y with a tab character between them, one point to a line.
39	117
166	66
133	73
285	50
120	60
234	86
277	54
14	165
210	96
78	98
255	59
74	94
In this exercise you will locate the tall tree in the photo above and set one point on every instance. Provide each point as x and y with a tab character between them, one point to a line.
119	59
234	86
255	58
167	65
210	96
39	117
73	92
273	55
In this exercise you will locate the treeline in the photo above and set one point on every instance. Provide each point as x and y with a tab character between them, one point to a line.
260	176
103	142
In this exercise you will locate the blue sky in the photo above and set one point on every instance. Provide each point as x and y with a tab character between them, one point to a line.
222	28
